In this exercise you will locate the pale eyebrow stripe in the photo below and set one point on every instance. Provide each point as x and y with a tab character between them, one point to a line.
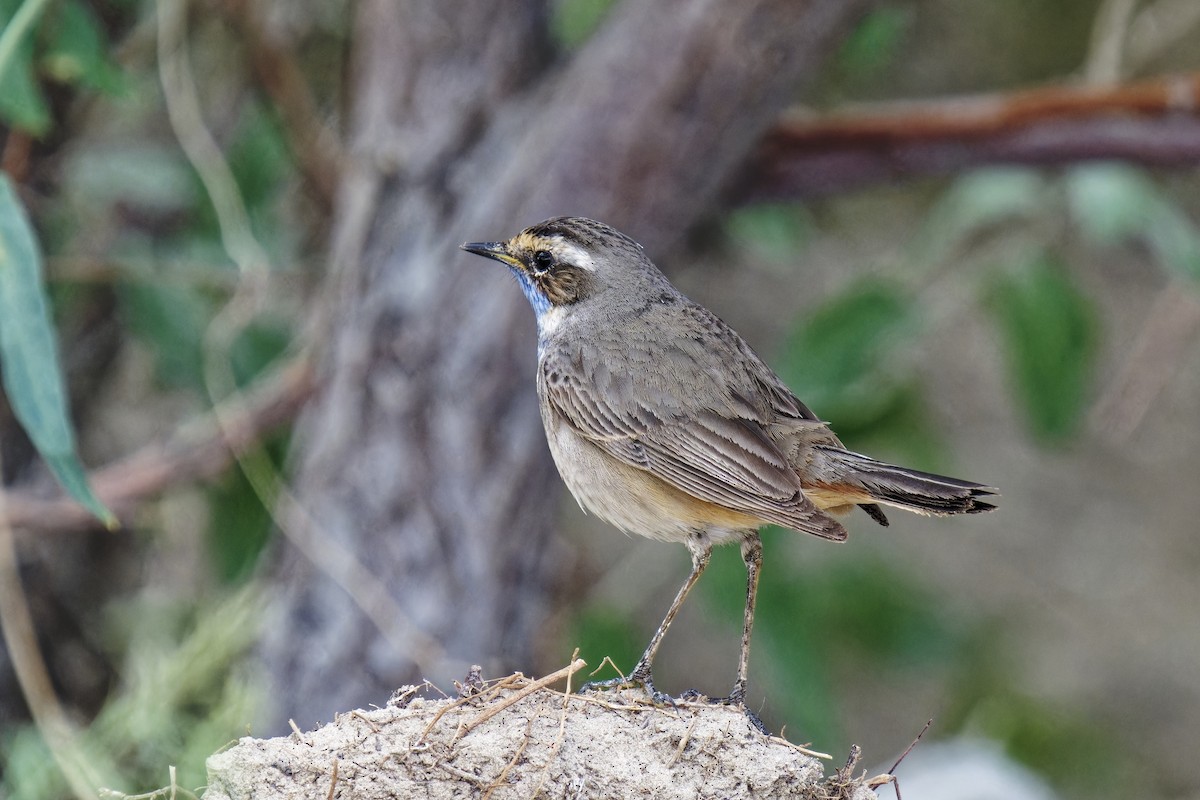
575	256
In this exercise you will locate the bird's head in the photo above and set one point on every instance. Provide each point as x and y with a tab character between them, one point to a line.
567	261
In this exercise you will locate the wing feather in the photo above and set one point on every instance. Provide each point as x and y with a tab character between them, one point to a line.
723	458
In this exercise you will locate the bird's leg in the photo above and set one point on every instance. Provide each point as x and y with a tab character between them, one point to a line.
641	673
752	555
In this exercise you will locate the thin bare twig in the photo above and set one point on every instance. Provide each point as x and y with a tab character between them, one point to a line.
498	781
516	697
333	780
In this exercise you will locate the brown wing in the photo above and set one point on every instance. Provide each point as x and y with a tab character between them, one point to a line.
720	456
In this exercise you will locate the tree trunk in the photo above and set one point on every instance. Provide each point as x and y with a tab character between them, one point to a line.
423	463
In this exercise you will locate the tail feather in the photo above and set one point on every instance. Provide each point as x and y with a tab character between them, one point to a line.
910	489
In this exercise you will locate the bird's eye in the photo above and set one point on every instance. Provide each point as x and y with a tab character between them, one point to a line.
542	260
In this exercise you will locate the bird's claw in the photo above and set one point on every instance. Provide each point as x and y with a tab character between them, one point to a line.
635	680
641	680
736	698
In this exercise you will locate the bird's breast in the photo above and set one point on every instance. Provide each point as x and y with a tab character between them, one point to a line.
634	500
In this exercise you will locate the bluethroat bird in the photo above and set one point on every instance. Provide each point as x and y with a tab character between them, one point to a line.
663	422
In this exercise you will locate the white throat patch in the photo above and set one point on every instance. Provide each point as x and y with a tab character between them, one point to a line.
549	321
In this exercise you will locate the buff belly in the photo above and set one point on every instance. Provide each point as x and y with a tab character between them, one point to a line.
636	501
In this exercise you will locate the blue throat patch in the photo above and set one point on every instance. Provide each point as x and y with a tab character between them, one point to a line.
535	297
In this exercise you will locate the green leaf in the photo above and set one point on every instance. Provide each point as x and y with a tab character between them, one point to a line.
239	527
573	21
258	157
774	231
844	339
838	361
21	101
1115	202
77	51
984	199
875	43
258	346
32	377
171	319
1110	202
1049	329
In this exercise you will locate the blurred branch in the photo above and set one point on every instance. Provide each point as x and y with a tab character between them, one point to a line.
198	144
1164	342
1109	31
14	158
1152	122
314	146
198	450
1157	28
193	275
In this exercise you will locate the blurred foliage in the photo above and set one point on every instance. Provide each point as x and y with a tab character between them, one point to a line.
874	44
815	621
573	21
1049	331
131	210
68	47
1116	203
240	525
1012	231
183	696
1072	748
601	633
772	231
838	359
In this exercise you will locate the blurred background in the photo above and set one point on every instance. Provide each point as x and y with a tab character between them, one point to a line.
968	235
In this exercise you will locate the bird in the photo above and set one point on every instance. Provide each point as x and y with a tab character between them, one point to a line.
664	422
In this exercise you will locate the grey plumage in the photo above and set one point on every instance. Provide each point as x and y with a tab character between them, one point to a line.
664	422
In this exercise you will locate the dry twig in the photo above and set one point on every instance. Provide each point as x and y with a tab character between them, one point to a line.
553	677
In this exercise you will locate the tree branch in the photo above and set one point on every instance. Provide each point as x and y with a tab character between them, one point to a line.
1153	122
196	451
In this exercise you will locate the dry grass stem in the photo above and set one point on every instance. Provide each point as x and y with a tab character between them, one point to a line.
553	677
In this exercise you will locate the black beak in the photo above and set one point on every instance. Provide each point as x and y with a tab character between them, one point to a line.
496	250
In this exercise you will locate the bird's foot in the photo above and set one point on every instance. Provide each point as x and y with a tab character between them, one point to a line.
736	698
638	679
